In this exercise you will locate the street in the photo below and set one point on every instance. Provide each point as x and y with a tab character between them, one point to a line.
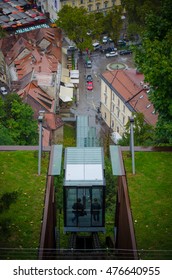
89	100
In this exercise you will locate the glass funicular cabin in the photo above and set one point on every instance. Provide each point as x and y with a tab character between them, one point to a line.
84	190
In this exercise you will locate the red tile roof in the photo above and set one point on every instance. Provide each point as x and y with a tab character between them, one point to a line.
37	98
52	121
127	85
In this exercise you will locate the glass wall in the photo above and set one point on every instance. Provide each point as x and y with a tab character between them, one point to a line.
84	206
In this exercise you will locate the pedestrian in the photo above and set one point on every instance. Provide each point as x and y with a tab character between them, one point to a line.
96	210
78	209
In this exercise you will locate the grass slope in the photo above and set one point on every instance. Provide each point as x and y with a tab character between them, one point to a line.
18	171
151	199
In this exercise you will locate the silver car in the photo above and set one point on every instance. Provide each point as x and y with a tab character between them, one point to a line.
111	54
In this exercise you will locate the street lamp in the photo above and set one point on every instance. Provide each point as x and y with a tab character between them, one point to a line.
40	120
132	143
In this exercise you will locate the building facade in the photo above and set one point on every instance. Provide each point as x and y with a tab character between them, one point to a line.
124	92
52	7
92	5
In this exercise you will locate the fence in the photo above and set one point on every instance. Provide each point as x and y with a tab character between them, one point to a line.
125	236
48	234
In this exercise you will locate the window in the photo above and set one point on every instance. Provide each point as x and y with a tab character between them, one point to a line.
105	100
98	6
118	113
106	89
124	108
105	115
117	129
118	102
89	8
113	108
84	206
105	4
113	96
112	123
123	120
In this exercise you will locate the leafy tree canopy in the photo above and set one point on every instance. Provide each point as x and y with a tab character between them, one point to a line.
2	33
143	132
17	125
137	12
154	60
113	23
75	22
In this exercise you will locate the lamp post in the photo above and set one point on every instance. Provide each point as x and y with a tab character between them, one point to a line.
40	120
132	143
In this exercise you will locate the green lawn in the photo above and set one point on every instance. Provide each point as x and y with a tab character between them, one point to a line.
150	192
69	136
21	223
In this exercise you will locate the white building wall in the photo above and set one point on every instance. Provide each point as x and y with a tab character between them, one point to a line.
114	110
50	6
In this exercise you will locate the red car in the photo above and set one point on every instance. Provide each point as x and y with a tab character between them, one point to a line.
90	85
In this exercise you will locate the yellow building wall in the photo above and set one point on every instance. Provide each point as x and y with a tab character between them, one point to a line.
114	111
92	5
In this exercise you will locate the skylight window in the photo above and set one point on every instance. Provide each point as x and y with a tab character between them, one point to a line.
141	96
148	106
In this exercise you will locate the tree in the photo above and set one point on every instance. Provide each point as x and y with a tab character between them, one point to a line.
2	33
75	23
97	25
113	23
136	13
17	125
5	137
143	132
154	60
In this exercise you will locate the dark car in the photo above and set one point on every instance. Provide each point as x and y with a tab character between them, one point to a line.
89	78
124	52
121	43
109	49
71	49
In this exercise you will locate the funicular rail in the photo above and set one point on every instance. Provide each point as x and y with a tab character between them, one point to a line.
84	242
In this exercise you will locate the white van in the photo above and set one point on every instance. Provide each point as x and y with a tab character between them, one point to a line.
96	46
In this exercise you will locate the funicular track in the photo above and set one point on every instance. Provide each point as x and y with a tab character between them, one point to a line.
80	242
83	247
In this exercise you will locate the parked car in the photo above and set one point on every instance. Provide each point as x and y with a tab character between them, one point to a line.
3	90
111	54
109	49
124	52
71	48
96	46
90	85
89	78
105	39
88	64
121	43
